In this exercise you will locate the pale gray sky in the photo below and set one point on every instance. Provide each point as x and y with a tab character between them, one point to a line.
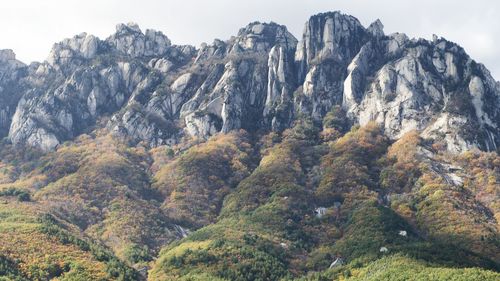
30	27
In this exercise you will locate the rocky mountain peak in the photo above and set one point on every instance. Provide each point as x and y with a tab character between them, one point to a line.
256	157
260	79
262	36
7	55
329	36
9	65
376	28
130	40
130	27
82	46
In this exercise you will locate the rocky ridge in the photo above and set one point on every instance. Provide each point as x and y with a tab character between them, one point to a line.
11	73
145	89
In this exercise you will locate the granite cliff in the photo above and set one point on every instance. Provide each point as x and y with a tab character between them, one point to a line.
144	88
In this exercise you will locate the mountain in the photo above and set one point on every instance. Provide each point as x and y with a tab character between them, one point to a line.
262	78
350	154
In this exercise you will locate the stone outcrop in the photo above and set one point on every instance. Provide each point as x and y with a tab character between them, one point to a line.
73	50
11	73
130	41
432	87
141	87
236	88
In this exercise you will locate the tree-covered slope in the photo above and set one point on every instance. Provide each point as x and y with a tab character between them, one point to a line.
357	198
246	206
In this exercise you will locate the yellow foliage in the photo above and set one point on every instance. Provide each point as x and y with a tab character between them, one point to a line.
182	248
195	183
20	240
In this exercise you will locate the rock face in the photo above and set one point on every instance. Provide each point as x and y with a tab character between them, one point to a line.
130	41
329	43
242	78
78	48
144	89
432	87
85	79
11	73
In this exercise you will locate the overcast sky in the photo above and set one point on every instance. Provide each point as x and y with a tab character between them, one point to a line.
30	27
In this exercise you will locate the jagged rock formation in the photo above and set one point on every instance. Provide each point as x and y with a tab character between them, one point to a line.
130	165
233	95
433	87
152	91
11	71
85	79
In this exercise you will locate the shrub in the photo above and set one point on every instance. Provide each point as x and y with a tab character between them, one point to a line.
22	195
135	254
336	119
114	267
9	270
